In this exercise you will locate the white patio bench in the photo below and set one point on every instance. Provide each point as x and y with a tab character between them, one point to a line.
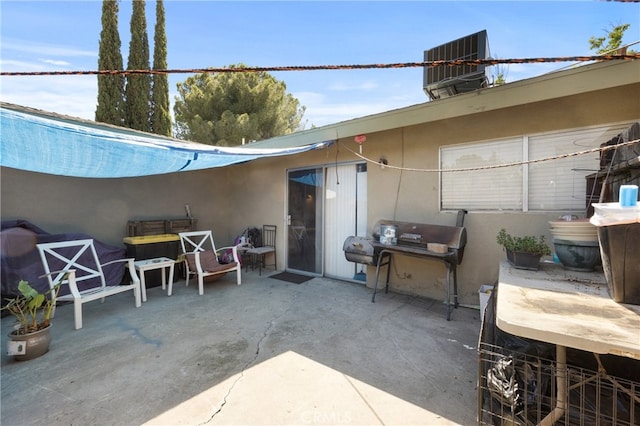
80	255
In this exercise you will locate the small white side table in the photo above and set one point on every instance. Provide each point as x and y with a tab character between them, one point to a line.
158	263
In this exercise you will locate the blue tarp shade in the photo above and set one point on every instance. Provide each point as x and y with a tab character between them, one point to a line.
46	144
307	179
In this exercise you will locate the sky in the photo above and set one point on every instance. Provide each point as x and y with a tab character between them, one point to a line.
64	36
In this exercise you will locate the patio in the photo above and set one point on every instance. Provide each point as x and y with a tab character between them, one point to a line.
265	352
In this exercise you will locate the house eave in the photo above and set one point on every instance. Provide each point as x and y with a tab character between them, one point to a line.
575	81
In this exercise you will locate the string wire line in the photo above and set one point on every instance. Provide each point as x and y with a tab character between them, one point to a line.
494	166
243	69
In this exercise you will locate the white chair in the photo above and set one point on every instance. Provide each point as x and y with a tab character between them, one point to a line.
268	245
80	255
201	257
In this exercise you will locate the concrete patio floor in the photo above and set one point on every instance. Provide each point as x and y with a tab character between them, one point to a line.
264	353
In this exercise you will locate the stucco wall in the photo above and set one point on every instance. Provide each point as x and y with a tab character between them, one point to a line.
228	199
102	207
417	192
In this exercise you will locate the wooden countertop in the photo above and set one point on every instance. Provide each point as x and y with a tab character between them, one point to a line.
566	308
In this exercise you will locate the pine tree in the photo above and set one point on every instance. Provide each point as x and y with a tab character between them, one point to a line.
160	116
225	108
138	86
110	108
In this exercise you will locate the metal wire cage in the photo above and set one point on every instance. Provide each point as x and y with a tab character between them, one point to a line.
519	388
518	383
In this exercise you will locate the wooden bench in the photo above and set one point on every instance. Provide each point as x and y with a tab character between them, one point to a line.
79	261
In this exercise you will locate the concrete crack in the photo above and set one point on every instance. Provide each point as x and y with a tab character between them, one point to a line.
246	366
401	353
364	399
401	305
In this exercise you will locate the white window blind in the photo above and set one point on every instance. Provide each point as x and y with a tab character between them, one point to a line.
490	189
340	217
560	184
557	184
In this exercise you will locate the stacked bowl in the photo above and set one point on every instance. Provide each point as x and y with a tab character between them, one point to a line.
576	243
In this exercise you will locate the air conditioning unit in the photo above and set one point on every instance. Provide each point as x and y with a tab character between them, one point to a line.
443	81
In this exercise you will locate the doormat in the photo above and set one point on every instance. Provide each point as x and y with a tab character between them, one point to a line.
291	278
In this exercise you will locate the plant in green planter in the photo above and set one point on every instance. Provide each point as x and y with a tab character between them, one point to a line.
32	311
523	252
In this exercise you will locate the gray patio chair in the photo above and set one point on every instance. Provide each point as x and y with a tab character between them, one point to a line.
259	254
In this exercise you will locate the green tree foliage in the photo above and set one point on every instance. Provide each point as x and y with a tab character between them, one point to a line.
611	41
160	114
138	86
223	108
110	108
499	74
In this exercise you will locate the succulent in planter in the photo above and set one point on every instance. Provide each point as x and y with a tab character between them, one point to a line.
523	252
527	244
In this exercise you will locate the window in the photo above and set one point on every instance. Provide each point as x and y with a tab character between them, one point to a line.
557	184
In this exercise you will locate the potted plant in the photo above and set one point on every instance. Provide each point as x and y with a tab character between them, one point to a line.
523	252
32	310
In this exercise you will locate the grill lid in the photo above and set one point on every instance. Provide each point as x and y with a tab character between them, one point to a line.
358	245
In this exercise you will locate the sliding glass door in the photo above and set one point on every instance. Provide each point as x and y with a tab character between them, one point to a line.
325	206
304	220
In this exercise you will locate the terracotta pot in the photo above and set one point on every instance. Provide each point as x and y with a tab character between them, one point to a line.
37	343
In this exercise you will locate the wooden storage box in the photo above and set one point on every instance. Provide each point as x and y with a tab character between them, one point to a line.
138	228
